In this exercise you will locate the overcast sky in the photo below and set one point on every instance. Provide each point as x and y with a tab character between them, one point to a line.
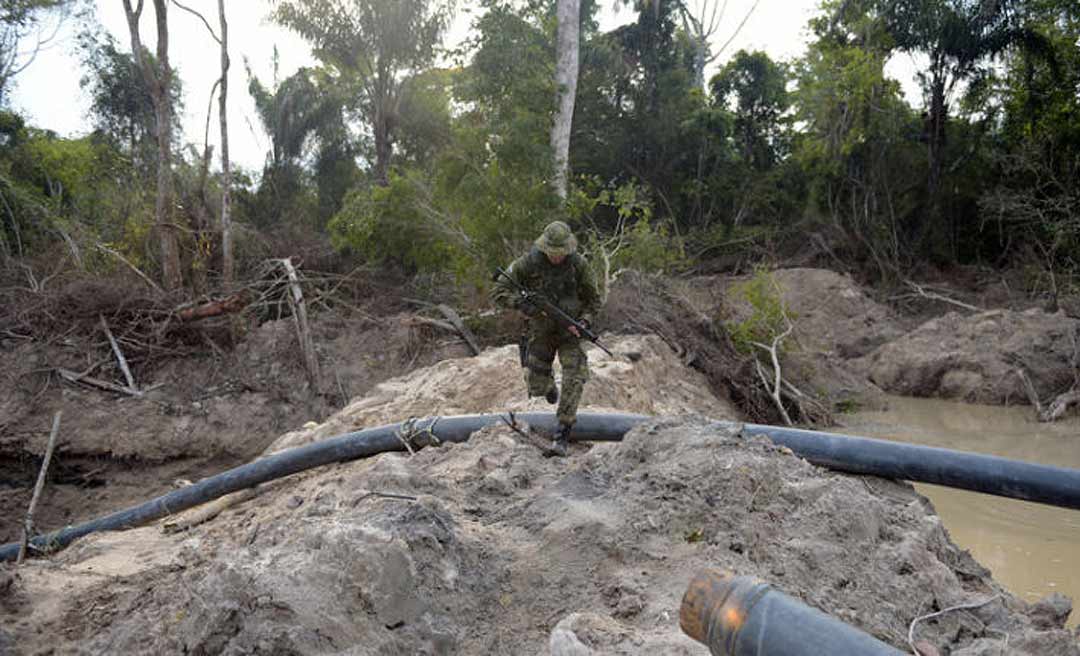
48	91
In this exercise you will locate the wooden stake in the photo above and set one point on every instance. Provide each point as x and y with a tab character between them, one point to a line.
28	525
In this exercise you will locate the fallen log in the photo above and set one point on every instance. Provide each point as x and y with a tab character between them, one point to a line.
227	305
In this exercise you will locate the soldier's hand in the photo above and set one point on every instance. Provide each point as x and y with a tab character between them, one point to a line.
574	331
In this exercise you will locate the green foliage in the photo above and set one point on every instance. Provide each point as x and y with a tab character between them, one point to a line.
121	106
638	240
371	47
651	248
71	190
769	316
755	88
384	224
859	149
303	115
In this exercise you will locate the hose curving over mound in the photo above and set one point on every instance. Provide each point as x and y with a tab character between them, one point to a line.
989	474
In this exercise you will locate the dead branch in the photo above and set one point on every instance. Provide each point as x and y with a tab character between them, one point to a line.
119	356
777	386
934	296
73	377
455	319
382	495
206	512
1057	408
28	524
227	305
1060	405
300	318
1033	396
774	393
427	321
452	324
105	249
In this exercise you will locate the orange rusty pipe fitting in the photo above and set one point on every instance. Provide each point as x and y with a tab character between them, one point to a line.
742	616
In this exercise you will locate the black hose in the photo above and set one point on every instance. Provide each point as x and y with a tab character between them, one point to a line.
1042	483
742	616
1055	486
350	446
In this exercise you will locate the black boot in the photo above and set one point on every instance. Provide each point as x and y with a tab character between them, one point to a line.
552	395
560	442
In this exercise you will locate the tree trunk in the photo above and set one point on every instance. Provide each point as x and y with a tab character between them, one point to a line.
158	82
163	207
226	170
383	147
936	234
566	76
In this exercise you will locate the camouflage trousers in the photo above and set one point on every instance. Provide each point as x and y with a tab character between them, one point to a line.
547	339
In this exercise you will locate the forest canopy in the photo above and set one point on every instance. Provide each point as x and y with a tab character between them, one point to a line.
404	153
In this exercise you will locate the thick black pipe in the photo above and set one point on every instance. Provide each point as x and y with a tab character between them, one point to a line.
350	446
742	616
1021	480
1056	486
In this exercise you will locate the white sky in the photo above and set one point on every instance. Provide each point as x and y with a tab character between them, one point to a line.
48	91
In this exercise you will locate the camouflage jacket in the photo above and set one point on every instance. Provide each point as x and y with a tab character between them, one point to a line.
569	284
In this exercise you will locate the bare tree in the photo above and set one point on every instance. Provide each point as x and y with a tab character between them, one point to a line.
226	168
158	77
702	26
566	77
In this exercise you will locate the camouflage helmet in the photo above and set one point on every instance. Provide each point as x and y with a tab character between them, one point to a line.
557	240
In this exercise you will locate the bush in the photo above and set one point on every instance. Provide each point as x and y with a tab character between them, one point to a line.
769	316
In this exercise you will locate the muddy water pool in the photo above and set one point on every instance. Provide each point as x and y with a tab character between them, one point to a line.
1032	549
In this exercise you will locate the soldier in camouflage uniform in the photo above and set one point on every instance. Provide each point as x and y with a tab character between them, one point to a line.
554	268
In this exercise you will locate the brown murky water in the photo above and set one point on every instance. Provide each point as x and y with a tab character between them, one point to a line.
1032	549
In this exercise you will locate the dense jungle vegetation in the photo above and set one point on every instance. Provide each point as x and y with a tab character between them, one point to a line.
439	162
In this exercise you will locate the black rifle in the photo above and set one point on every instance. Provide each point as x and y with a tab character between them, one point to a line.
544	304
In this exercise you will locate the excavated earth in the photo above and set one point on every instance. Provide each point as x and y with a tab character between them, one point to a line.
487	546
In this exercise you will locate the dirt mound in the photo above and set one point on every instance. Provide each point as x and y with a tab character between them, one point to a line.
834	315
644	377
974	357
488	547
834	321
499	550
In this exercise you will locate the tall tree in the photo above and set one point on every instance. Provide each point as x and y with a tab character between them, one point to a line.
158	77
377	44
958	37
754	87
226	170
566	77
226	166
856	150
300	114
